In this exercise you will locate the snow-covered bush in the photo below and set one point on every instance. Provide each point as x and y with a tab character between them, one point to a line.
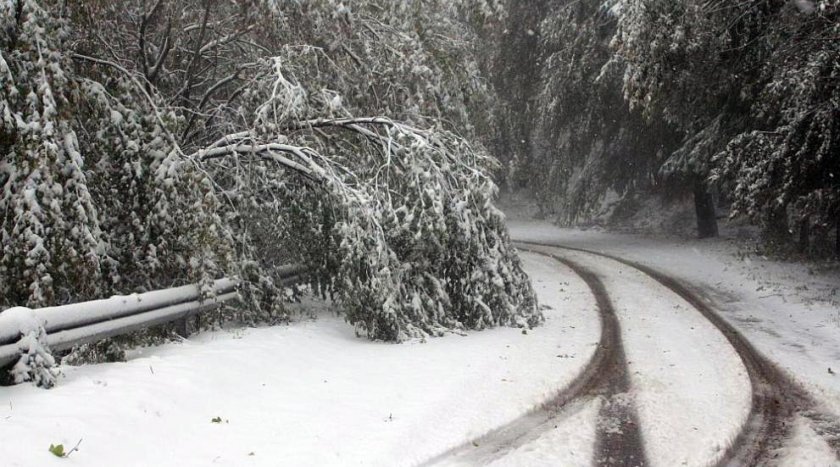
36	364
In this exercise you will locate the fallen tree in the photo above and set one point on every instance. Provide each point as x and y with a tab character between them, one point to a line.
398	222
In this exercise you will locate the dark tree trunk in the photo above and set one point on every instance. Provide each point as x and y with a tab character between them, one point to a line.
777	235
804	235
704	205
837	238
6	375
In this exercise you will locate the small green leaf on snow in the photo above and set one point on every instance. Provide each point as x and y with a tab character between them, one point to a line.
57	450
216	419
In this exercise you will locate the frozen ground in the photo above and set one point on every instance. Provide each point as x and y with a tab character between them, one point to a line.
310	394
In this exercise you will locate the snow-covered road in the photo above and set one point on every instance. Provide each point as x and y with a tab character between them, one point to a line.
664	366
788	311
793	420
679	365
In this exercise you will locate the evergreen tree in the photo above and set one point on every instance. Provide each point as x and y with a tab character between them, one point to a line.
51	235
738	97
785	170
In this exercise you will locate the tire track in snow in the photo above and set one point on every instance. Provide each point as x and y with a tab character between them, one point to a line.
776	398
618	439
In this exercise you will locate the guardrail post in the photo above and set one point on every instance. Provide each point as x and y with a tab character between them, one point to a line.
182	328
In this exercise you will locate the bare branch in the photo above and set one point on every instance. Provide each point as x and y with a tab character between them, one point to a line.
225	39
151	76
144	22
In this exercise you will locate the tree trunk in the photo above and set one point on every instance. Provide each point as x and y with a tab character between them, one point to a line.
804	235
704	206
837	238
777	235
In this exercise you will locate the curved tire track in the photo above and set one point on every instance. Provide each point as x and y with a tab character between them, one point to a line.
776	398
618	443
622	446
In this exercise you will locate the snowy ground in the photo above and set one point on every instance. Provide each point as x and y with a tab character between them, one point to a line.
570	443
790	312
313	394
310	394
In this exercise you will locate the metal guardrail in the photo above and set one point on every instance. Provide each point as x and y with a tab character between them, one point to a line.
81	323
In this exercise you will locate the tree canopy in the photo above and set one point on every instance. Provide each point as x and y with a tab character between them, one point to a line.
151	143
657	97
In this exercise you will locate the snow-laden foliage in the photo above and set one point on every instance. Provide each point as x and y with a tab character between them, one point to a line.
683	60
50	227
398	222
220	138
669	97
586	145
36	364
157	233
753	85
93	186
790	163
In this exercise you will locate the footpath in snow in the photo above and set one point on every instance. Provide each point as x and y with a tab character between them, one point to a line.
313	394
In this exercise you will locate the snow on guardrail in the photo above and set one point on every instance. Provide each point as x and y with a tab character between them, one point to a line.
60	318
32	332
